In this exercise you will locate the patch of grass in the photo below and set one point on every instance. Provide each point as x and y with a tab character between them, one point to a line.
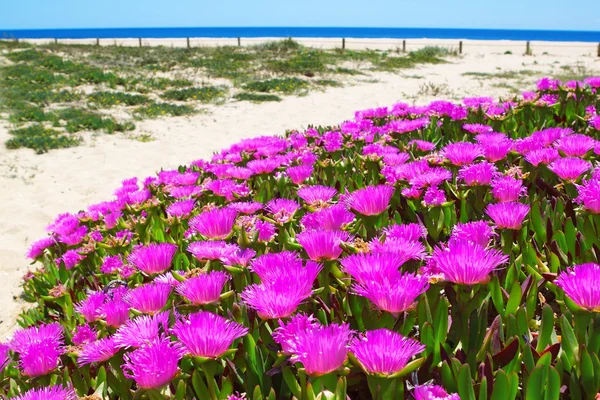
434	89
575	72
280	46
206	94
432	54
10	44
345	71
79	120
256	97
31	114
165	83
156	110
308	63
41	139
281	85
327	82
109	99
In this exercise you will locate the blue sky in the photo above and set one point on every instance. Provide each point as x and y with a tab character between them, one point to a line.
509	14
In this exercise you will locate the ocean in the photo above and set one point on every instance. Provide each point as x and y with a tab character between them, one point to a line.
304	32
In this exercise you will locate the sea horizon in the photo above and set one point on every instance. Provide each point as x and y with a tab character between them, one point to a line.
304	32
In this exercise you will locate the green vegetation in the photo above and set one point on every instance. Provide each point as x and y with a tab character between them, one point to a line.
207	94
256	97
61	87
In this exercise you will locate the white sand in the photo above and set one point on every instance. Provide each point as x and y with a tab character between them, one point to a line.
35	188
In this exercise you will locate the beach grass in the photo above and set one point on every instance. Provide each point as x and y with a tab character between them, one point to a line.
61	87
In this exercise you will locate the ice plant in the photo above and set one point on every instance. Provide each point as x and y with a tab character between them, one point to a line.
322	349
115	312
508	215
322	245
409	232
589	195
181	208
365	267
48	393
569	169
97	351
507	189
149	298
139	330
466	263
39	348
207	335
384	352
478	174
316	194
154	258
215	224
91	307
204	288
581	284
480	232
461	153
154	364
283	210
285	335
4	356
433	392
371	200
394	293
211	250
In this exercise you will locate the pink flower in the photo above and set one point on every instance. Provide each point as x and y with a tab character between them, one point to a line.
97	351
461	153
508	215
299	173
214	224
136	332
91	307
371	200
569	169
433	392
507	189
208	335
211	250
479	232
48	393
154	258
181	208
322	245
581	284
205	288
478	174
384	352
285	335
394	293
434	196
154	364
316	194
149	298
283	210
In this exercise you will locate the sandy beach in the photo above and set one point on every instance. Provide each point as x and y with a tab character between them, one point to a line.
35	188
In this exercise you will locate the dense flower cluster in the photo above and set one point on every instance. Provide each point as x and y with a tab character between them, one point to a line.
369	257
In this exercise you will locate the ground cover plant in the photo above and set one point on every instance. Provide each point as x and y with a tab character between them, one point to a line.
432	252
147	82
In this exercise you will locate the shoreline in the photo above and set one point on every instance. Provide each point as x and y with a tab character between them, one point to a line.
472	45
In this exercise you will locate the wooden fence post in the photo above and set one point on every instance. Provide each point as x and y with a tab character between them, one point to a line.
239	41
598	49
460	45
55	41
97	42
16	40
343	43
140	41
404	46
528	49
188	42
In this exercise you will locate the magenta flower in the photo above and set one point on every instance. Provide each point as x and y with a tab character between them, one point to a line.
214	224
569	169
321	245
431	177
479	232
211	250
48	393
478	128
421	145
365	267
285	335
246	207
461	153
322	349
409	249
465	262
542	156
589	195
507	189
4	356
84	334
575	145
434	196
508	215
240	257
394	293
140	330
581	284
154	364
283	210
97	351
299	173
91	307
478	174
154	258
384	352
433	392
70	259
371	200
181	208
316	194
37	248
266	231
208	335
409	232
204	288
332	218
39	348
115	312
149	298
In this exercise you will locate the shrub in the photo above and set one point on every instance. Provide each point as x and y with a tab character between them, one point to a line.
109	99
282	85
155	110
256	97
205	94
41	139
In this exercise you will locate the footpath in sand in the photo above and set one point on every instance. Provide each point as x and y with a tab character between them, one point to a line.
35	188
